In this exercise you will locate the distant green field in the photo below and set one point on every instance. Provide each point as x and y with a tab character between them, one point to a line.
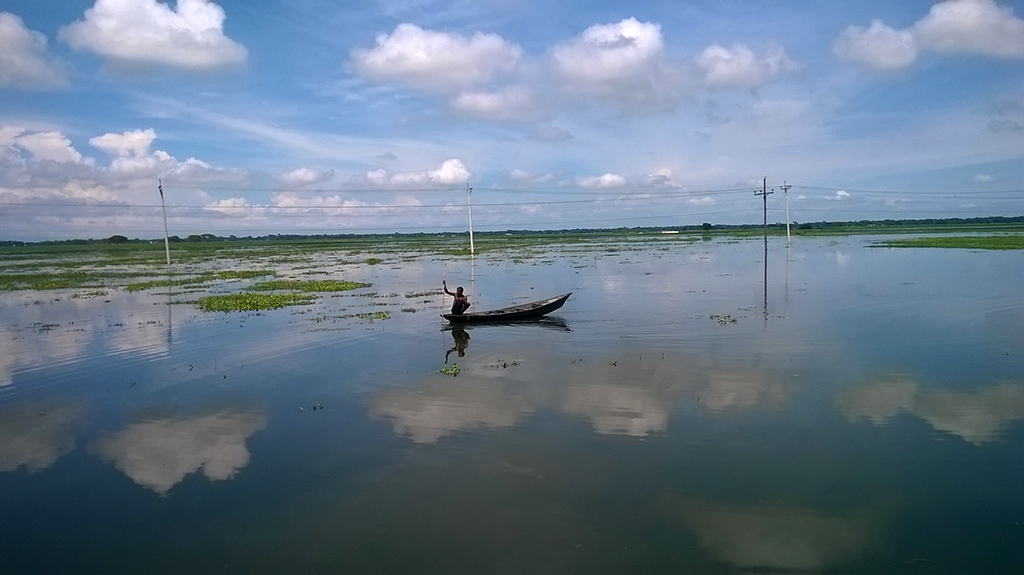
1000	242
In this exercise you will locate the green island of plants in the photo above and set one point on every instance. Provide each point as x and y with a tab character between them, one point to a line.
308	286
1000	242
199	279
253	301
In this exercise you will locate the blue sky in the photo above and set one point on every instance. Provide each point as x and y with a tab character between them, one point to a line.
312	116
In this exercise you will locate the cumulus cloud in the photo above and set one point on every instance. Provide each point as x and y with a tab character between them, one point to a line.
979	27
879	46
984	178
739	67
158	454
52	146
135	143
450	172
24	59
972	27
148	32
230	206
435	61
305	177
705	201
623	63
511	104
608	180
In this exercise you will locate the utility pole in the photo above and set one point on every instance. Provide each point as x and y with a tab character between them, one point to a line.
167	243
764	195
469	204
785	190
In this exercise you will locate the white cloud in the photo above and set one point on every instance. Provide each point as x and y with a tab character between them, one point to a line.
24	61
610	53
436	61
148	32
9	135
739	67
450	172
127	144
952	27
705	201
623	63
880	47
52	146
230	206
972	27
305	177
158	454
840	195
511	104
605	181
984	178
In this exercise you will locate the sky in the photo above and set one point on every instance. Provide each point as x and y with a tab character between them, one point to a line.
317	116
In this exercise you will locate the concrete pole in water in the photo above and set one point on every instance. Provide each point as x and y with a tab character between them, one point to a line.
167	242
469	203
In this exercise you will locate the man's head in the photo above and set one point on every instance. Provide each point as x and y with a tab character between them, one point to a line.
458	290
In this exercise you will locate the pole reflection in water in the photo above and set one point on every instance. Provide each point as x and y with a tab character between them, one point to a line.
766	280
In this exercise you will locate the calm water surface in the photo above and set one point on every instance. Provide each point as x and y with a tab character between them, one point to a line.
690	409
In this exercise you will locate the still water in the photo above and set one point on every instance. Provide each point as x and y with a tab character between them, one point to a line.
693	407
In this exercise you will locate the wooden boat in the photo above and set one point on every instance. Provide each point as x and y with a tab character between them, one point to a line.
532	309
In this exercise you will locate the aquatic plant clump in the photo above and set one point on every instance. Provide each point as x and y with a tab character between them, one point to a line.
199	280
308	285
44	281
252	301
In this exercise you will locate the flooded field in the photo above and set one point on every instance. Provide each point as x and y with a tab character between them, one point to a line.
696	406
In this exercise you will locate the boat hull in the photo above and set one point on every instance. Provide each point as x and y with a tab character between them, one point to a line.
523	311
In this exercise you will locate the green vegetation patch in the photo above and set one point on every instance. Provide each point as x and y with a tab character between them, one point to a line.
199	279
44	281
1008	242
377	315
373	261
308	286
252	301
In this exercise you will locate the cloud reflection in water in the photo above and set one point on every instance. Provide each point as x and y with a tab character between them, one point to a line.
978	417
159	453
36	435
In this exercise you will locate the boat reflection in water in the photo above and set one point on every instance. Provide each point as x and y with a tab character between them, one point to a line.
460	332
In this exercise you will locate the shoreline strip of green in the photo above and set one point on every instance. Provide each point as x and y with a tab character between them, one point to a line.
999	242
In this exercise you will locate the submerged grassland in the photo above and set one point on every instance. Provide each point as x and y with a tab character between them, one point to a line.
229	265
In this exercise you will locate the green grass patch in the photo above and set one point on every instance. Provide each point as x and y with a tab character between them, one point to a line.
1008	242
377	315
200	279
373	261
309	286
44	281
252	301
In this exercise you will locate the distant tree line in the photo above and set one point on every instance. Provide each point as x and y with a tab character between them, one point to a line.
705	227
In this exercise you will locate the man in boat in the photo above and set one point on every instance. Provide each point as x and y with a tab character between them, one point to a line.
461	303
